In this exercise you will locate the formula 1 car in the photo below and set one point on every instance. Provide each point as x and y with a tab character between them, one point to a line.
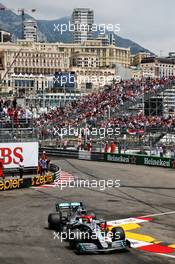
66	216
93	236
85	233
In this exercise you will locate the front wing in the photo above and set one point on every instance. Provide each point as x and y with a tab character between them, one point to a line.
91	247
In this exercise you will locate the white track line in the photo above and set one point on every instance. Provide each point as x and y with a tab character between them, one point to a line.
159	214
166	255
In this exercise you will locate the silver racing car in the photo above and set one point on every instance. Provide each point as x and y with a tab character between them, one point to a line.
90	235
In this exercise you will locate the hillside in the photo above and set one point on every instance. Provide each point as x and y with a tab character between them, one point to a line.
11	22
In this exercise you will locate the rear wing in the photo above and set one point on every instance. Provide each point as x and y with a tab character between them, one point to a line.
71	205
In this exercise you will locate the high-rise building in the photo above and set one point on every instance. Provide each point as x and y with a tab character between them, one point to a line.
82	20
30	30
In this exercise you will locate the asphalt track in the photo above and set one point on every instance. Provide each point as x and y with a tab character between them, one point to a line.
25	239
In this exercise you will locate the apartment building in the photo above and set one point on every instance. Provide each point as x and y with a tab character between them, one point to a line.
138	57
30	30
82	20
28	57
158	67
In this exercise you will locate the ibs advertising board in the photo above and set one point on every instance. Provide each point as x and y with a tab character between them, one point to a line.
11	153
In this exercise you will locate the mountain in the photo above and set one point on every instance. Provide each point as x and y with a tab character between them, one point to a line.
47	28
11	22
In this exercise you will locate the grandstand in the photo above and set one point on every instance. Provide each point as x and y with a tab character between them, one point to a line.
16	123
110	108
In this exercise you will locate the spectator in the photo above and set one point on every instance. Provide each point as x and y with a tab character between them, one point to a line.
113	147
173	164
21	168
89	145
161	151
44	156
119	148
125	147
164	150
79	144
47	164
157	151
172	153
1	168
106	147
65	144
40	167
14	103
44	166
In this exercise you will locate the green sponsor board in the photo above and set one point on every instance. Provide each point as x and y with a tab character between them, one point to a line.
118	158
160	162
140	160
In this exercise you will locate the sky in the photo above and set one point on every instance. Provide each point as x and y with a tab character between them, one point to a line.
150	23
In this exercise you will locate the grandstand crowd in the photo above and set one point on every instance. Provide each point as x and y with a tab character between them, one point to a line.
101	109
98	109
10	113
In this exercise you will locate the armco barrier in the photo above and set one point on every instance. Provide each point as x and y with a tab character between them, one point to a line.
13	184
87	155
140	160
72	154
118	158
16	183
97	156
84	155
56	171
15	171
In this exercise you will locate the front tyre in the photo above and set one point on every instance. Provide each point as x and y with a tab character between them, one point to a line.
54	222
75	238
118	233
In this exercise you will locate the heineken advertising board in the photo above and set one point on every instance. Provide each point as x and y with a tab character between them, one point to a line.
140	160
